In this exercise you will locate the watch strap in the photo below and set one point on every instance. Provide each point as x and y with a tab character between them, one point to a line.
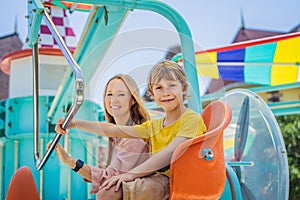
79	164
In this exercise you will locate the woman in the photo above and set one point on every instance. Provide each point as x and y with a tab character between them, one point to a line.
123	106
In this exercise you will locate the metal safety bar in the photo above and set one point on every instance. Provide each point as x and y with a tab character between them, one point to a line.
77	102
240	163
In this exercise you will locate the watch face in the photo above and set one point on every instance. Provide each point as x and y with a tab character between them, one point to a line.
79	163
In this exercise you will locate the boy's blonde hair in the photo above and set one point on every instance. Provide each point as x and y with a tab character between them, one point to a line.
169	70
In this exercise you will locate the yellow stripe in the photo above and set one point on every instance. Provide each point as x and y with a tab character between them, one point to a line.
286	51
207	70
228	143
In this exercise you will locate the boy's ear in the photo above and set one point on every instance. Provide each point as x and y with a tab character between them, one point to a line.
148	96
151	96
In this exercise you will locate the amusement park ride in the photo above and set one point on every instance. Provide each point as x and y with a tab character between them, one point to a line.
242	156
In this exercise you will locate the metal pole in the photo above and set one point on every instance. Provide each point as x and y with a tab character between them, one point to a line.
35	63
79	96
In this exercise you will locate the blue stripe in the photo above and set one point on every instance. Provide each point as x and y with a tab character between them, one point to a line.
235	73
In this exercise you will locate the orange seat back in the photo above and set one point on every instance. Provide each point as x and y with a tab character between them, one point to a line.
22	186
197	168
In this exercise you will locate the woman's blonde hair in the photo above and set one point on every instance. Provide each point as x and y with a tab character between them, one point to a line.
169	70
138	113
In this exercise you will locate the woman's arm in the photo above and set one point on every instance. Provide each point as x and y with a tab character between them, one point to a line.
99	128
84	171
65	158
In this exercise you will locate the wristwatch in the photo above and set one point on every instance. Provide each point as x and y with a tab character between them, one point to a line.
79	164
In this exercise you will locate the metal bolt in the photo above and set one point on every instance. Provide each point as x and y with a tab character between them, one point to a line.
207	154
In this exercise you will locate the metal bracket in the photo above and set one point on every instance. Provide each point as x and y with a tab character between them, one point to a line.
35	11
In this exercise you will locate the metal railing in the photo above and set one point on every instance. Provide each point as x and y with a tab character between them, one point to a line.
77	102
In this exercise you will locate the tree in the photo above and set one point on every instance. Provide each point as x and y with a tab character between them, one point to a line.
290	128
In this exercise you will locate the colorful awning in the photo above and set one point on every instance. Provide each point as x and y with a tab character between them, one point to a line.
72	6
268	61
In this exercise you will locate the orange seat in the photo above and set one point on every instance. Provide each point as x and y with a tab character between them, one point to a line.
197	168
22	186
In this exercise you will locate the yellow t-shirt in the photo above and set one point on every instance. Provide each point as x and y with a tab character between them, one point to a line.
189	125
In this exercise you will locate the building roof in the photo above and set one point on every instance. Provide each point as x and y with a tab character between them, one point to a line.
295	29
8	43
251	34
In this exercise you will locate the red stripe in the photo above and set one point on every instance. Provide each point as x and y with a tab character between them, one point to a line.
252	43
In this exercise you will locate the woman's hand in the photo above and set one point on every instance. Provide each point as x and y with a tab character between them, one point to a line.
60	152
117	180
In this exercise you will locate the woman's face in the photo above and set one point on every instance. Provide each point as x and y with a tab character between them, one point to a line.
118	99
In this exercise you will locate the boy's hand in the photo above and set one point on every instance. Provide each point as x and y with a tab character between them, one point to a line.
58	127
117	180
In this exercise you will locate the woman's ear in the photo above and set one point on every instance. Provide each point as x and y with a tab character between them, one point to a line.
132	101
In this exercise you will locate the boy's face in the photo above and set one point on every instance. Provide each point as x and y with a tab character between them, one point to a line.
168	94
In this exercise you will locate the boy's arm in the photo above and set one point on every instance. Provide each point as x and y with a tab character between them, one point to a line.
154	163
99	128
158	160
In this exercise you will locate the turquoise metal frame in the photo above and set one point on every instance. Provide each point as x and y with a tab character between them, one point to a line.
35	10
89	44
233	183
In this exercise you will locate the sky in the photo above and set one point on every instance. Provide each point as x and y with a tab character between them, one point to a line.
212	24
